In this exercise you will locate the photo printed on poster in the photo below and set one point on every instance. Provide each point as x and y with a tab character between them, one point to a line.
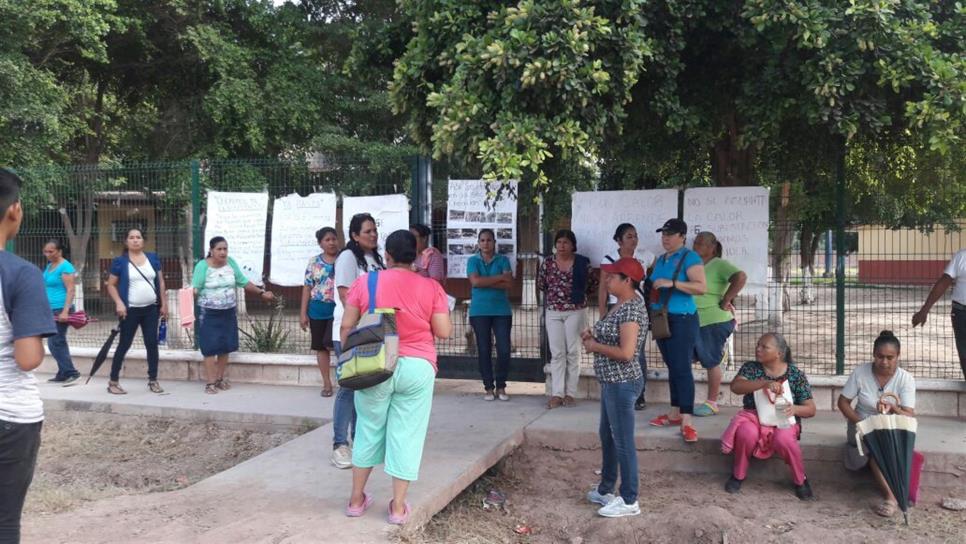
471	207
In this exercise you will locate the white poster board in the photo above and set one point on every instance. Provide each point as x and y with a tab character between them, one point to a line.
738	217
241	219
470	208
596	214
294	222
391	213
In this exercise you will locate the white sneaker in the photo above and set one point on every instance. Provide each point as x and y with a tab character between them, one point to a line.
488	396
342	457
595	497
617	509
501	394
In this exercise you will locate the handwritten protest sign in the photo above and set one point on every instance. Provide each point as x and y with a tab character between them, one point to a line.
241	219
596	215
391	213
738	217
295	219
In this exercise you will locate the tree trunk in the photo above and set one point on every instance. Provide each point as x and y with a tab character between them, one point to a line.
79	239
782	236
808	245
731	165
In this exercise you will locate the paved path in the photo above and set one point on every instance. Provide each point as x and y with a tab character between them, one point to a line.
292	493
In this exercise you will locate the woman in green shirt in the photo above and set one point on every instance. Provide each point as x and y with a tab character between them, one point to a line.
214	280
715	314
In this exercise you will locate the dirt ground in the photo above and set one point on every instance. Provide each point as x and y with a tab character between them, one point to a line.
86	456
545	492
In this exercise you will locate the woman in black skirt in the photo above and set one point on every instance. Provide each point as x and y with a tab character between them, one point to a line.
215	280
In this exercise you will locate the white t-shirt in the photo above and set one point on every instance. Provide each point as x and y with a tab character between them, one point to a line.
24	312
346	271
140	293
862	384
643	256
956	269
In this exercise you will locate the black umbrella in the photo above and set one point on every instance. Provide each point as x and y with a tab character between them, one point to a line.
102	355
889	439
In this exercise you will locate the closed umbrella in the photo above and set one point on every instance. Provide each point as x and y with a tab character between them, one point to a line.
889	439
102	355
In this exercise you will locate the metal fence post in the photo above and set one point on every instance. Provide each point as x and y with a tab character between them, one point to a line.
421	175
840	262
196	249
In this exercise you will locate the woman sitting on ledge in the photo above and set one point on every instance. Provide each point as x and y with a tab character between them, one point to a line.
776	396
866	386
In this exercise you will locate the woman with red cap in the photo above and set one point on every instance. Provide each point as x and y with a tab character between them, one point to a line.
616	341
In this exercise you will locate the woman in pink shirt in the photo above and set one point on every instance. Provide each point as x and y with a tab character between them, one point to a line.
429	261
393	416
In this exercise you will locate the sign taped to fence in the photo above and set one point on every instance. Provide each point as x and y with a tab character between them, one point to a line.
738	217
391	213
294	222
241	219
470	208
596	214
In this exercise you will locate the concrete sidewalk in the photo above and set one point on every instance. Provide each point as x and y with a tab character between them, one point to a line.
293	494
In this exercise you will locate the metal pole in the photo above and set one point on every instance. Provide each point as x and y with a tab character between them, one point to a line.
196	248
840	259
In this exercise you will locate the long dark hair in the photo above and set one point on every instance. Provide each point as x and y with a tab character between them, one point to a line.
355	227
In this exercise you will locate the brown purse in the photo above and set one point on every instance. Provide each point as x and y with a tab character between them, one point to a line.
660	326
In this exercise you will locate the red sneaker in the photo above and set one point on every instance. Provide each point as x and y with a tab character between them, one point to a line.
664	420
689	433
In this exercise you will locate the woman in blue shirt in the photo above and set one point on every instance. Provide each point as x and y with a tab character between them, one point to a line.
491	277
59	281
677	277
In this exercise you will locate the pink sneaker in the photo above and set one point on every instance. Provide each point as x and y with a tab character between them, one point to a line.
399	520
356	511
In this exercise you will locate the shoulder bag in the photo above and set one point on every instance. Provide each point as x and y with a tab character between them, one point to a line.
660	326
371	349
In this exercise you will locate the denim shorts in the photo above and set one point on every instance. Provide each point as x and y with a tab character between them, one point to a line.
709	348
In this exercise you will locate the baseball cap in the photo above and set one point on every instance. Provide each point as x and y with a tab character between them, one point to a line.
628	266
674	226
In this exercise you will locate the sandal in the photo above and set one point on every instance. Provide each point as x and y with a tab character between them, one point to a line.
211	388
554	402
400	519
887	509
222	383
115	388
155	387
665	420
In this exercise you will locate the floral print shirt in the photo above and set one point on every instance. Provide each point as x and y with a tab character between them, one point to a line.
608	331
558	284
219	291
320	278
753	370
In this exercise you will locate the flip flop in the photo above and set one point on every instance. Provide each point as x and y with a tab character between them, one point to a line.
326	392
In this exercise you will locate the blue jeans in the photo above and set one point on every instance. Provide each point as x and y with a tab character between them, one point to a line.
959	332
709	348
617	438
499	326
677	352
344	411
59	349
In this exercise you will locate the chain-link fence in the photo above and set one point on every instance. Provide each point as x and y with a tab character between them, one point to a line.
888	273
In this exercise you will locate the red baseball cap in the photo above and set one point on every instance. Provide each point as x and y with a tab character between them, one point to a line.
628	266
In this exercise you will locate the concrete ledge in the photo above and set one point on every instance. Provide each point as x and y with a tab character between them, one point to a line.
943	398
942	440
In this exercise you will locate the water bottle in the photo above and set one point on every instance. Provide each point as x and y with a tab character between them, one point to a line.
780	404
163	333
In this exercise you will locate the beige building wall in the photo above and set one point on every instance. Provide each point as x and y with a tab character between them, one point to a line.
877	243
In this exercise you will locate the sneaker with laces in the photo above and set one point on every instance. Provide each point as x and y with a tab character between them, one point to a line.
342	457
618	509
595	497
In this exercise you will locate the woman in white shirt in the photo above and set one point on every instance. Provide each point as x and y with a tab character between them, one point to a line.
866	387
136	284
